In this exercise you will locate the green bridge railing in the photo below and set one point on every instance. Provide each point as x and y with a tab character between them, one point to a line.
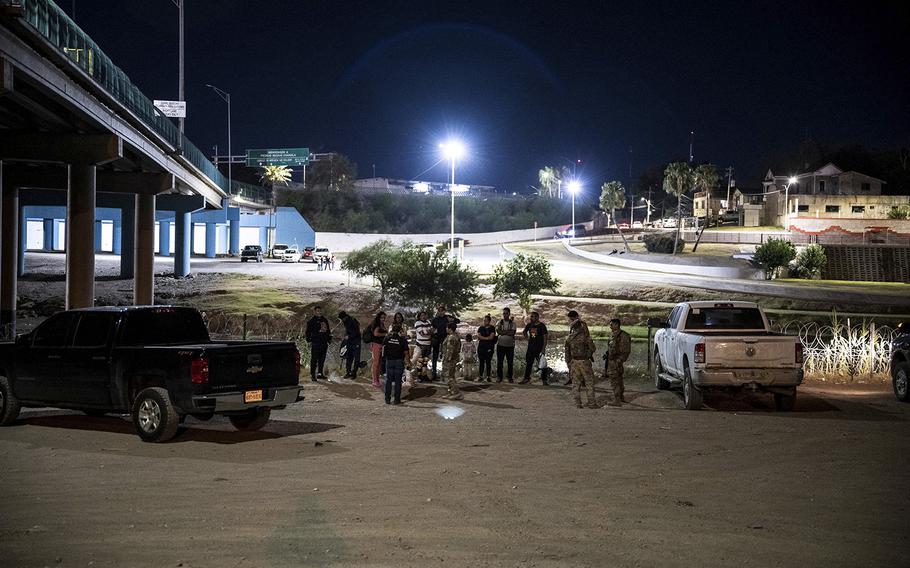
52	23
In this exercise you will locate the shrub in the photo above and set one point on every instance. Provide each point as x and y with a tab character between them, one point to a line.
662	242
774	255
521	276
899	212
810	261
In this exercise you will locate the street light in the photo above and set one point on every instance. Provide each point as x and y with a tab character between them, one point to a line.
226	97
452	150
790	182
574	187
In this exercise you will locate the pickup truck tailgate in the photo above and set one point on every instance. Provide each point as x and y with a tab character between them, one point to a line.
251	365
759	352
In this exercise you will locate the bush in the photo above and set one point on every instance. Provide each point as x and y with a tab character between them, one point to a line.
810	261
521	276
774	255
662	242
899	212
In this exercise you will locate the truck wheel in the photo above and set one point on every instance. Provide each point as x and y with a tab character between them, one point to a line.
692	397
9	404
900	377
657	368
784	402
252	420
155	418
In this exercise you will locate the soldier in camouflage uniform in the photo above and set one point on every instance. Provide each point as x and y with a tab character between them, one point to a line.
451	353
619	347
579	358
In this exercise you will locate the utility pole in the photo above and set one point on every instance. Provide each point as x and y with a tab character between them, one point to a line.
691	147
181	93
729	185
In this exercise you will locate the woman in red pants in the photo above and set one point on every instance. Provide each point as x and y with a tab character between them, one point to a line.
378	331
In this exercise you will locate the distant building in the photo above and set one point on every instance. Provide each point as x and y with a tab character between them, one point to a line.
416	187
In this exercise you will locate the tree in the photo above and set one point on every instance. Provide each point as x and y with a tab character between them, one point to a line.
377	260
276	175
810	261
549	178
705	178
613	197
424	278
521	276
774	255
678	179
335	171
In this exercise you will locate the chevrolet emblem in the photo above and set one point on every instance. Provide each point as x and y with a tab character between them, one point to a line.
254	369
750	351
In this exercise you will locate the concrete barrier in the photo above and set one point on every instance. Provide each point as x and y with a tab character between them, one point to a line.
695	270
346	242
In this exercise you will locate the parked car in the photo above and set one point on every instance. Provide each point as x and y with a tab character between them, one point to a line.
307	255
278	250
638	225
156	363
291	255
251	252
705	346
623	226
668	223
900	363
458	242
571	231
429	247
321	252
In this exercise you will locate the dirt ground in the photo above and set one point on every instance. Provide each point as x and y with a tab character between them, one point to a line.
521	478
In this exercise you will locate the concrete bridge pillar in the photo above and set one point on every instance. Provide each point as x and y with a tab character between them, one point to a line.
128	238
49	233
164	238
144	286
116	244
80	238
98	226
210	240
182	243
9	232
234	230
23	242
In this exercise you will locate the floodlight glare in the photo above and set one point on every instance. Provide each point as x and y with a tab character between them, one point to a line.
574	186
792	180
452	149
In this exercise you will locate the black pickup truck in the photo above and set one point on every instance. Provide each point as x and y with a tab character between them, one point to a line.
156	363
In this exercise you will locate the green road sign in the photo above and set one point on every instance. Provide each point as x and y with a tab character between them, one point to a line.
278	157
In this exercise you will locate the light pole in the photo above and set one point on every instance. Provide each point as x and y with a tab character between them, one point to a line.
180	78
790	182
574	187
227	98
647	203
452	150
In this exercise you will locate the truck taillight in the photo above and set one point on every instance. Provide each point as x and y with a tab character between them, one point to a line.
799	353
700	353
199	371
296	363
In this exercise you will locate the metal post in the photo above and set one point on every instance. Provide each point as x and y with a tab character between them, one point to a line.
181	93
452	191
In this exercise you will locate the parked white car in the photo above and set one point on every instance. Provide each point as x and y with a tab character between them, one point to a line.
278	251
638	225
705	346
291	255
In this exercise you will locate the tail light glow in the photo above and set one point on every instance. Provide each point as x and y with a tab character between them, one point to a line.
199	371
700	353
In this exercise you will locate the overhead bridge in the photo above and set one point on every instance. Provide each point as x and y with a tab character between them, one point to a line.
76	132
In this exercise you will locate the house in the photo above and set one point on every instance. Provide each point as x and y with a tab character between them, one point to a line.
750	203
707	208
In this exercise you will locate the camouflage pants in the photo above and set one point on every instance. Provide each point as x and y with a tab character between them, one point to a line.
448	371
468	369
582	375
614	373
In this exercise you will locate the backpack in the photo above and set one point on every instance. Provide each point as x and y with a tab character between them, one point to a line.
367	334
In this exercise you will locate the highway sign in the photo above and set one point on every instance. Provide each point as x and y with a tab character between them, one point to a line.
174	109
278	157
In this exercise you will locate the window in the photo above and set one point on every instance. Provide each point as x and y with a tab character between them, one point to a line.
821	186
163	326
93	329
865	186
674	316
832	208
55	331
803	208
725	318
858	209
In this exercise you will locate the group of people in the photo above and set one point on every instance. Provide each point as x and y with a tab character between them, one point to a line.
325	262
434	343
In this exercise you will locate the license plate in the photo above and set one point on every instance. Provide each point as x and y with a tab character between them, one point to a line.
252	396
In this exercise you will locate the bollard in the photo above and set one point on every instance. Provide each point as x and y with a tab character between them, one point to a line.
244	327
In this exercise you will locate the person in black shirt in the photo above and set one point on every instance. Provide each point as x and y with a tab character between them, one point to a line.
352	345
486	342
440	322
318	336
536	333
395	351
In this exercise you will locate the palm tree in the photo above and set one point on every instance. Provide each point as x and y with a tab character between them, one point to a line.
549	180
678	179
613	197
705	179
276	174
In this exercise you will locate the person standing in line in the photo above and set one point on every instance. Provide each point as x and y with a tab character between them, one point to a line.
378	332
423	348
579	356
395	351
318	336
468	358
536	334
486	342
351	344
505	344
619	347
440	324
451	351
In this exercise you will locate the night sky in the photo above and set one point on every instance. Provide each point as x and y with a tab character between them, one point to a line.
524	84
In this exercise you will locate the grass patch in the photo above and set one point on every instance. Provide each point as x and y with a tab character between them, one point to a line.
879	286
246	296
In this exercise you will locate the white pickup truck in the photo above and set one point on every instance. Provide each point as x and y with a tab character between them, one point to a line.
724	346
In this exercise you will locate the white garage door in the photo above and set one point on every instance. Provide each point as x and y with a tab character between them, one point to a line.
249	236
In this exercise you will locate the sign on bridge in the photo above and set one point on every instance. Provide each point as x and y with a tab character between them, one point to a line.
173	109
278	157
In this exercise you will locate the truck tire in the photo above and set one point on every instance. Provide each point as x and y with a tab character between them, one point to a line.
900	377
692	397
155	418
9	404
251	421
657	369
784	402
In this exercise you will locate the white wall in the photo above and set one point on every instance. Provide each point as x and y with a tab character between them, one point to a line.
346	242
35	234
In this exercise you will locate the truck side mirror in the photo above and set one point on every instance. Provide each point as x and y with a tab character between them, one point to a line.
23	339
657	322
